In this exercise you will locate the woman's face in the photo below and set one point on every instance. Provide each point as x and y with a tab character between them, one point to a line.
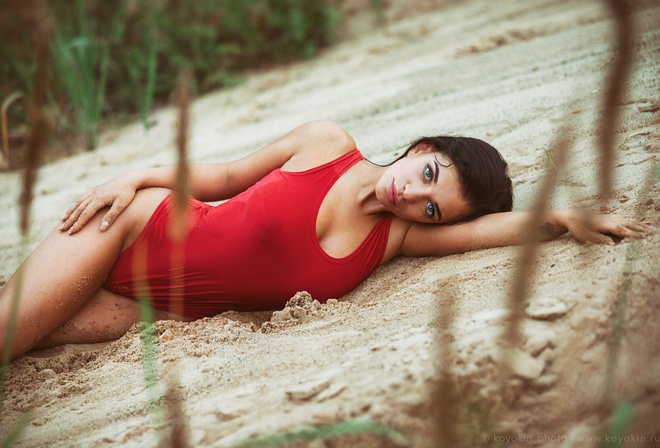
423	187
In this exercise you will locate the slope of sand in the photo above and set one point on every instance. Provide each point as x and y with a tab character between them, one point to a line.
508	72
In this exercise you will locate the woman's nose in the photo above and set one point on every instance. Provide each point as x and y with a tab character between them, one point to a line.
411	193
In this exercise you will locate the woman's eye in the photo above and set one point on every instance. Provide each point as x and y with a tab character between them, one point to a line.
428	173
430	209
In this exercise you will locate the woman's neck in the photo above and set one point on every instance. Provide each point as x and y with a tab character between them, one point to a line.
364	178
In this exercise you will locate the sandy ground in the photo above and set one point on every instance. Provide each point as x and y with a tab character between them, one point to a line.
509	72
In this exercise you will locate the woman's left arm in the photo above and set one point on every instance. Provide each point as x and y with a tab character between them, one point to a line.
512	228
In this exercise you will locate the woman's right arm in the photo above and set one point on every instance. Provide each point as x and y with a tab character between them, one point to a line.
118	193
207	182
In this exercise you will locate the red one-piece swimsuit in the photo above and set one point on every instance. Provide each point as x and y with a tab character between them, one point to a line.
252	252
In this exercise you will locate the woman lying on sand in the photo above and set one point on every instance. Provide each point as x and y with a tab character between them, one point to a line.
307	212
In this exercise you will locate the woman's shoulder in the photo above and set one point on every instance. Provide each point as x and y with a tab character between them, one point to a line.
319	142
328	131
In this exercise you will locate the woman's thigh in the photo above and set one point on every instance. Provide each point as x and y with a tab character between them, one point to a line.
65	271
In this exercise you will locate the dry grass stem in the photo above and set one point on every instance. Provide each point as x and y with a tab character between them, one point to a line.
181	143
610	118
445	398
178	437
178	224
4	160
173	400
624	35
40	124
614	93
36	17
525	266
618	322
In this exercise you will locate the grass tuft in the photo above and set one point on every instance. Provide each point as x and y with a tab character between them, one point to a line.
81	65
10	439
120	59
149	340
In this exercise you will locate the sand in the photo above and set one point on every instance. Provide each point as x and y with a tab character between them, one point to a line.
509	72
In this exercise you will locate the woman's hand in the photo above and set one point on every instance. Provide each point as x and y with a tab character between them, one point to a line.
587	226
117	193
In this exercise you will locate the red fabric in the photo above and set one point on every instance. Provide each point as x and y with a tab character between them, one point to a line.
253	252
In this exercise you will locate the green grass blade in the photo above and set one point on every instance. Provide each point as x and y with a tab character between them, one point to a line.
619	320
149	355
152	65
552	162
10	438
147	103
622	416
341	429
13	316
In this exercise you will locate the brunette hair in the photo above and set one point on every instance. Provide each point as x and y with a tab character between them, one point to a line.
485	183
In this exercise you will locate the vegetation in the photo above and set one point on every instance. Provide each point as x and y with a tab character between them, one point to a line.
117	59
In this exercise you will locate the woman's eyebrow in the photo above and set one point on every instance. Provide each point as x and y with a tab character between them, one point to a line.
435	181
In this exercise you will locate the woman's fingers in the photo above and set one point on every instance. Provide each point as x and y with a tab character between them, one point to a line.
87	212
74	207
607	229
70	210
117	207
87	206
642	228
82	212
73	214
625	228
116	193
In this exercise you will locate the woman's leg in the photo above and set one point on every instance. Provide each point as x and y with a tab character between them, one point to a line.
66	271
106	317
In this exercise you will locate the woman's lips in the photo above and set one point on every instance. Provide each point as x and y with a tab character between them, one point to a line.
392	195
